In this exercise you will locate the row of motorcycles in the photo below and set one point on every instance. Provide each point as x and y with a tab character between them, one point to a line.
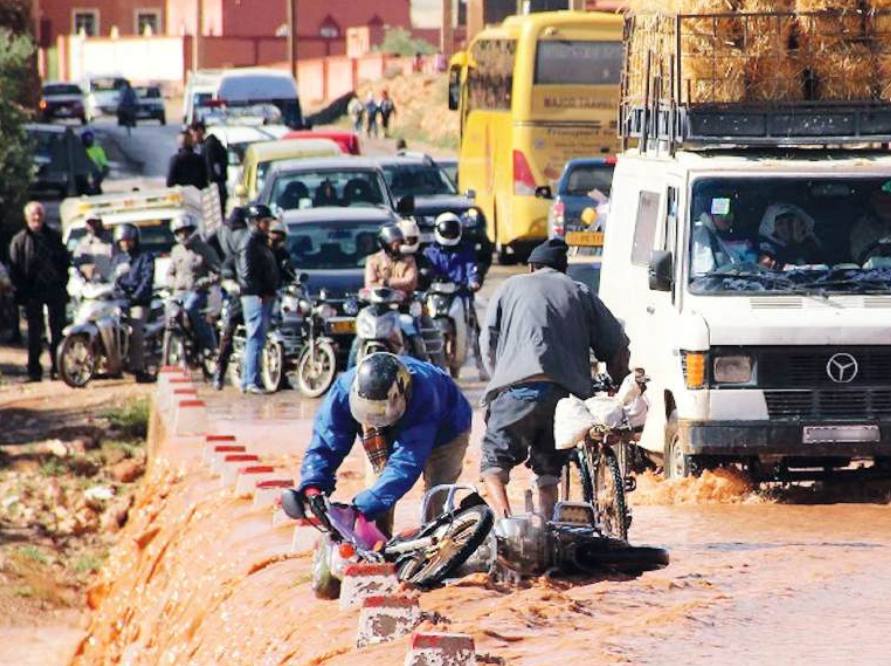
308	341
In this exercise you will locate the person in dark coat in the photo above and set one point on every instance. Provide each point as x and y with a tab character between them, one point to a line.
216	158
187	167
38	269
278	236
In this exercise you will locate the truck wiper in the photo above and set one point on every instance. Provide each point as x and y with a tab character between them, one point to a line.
748	275
857	284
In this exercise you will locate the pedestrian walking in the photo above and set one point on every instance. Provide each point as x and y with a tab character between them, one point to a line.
128	104
539	332
99	167
371	111
229	238
38	268
258	277
387	110
356	111
187	167
216	159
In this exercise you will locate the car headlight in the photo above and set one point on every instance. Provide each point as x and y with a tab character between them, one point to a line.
351	307
736	369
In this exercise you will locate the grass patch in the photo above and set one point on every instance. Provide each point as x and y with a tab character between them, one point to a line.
128	449
53	467
88	563
33	554
130	420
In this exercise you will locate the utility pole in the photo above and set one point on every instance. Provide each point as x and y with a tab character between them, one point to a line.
447	35
291	10
199	29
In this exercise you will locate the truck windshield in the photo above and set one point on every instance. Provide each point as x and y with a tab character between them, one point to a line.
791	235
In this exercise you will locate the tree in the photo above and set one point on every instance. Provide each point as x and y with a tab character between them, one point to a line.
398	41
16	62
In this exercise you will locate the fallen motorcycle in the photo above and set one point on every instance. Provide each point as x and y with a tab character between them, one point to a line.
424	557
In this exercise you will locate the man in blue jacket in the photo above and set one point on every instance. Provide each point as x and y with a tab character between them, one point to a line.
134	273
413	420
451	259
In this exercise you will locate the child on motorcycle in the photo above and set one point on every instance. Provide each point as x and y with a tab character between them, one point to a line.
134	273
194	268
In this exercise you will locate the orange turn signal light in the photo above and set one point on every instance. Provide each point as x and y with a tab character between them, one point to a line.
346	550
694	369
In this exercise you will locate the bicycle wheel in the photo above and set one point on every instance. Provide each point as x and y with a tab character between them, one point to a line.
609	494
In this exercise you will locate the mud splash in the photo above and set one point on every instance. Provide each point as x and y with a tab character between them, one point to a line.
720	486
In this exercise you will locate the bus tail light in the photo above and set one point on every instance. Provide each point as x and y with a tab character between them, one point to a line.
559	216
524	182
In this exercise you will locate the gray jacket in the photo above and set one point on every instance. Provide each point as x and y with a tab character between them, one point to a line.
194	266
543	325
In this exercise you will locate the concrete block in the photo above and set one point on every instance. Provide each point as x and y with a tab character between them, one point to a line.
234	462
190	418
279	517
384	619
220	451
435	649
247	478
306	534
364	580
211	441
177	394
267	492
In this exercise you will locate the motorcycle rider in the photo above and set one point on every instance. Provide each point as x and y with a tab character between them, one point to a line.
229	236
412	233
278	235
134	274
413	420
449	258
194	268
93	253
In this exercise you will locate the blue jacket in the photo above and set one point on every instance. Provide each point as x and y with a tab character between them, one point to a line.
137	283
436	414
458	264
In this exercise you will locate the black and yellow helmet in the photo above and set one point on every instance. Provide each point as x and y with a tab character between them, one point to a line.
381	390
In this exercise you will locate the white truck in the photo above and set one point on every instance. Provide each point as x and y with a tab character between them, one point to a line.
751	266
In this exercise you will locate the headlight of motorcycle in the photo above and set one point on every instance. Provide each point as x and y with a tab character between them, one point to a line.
416	310
735	369
351	307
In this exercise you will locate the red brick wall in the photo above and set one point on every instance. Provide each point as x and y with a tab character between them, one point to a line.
58	17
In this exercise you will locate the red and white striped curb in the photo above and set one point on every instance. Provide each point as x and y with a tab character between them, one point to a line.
234	462
364	580
190	418
220	451
212	441
247	478
435	649
306	535
267	492
384	619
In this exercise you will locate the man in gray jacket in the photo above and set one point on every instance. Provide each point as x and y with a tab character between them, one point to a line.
539	332
194	268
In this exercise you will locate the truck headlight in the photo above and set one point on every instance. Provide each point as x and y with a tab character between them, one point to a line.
736	369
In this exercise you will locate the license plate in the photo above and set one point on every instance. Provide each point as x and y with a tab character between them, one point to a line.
343	327
63	110
585	238
831	434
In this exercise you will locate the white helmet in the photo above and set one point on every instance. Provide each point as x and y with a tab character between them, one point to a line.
412	233
187	222
447	230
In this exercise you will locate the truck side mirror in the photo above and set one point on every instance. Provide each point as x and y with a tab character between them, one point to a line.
661	270
406	205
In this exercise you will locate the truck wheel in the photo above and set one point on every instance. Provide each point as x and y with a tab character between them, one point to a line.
676	464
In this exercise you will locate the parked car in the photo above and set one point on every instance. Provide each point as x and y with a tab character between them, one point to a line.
59	163
578	189
349	142
61	101
450	166
237	138
418	178
151	104
341	182
102	93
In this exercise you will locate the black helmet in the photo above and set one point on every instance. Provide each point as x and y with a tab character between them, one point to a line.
381	390
126	231
236	219
388	234
258	212
448	230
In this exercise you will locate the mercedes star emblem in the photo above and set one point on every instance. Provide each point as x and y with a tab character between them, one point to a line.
842	368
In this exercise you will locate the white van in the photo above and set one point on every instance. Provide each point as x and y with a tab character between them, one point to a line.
253	85
756	290
201	88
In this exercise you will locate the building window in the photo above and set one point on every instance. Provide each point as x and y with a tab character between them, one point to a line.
329	28
85	21
148	21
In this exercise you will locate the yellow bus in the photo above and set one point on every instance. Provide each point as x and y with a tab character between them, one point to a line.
533	93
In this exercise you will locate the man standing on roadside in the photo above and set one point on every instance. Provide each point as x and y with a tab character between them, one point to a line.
186	166
38	267
387	110
215	157
537	339
258	277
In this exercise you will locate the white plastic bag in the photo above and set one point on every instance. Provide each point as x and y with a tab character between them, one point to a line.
572	420
606	410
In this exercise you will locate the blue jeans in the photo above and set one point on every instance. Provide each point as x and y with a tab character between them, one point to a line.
194	303
257	315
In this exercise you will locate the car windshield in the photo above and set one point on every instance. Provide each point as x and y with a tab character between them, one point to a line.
154	236
149	92
61	89
332	245
418	179
109	84
585	178
811	236
323	189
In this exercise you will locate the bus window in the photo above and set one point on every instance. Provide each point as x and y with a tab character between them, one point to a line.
578	63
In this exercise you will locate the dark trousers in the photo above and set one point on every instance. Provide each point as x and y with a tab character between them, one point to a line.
232	321
34	316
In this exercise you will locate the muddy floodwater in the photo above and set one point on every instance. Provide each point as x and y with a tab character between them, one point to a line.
200	577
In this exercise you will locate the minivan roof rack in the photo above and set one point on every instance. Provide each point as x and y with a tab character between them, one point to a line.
753	80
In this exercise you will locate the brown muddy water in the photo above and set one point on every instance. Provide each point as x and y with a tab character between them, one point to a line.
201	578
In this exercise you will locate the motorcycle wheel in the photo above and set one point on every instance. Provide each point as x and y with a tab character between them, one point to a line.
619	556
455	543
76	361
324	584
174	352
272	366
315	372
